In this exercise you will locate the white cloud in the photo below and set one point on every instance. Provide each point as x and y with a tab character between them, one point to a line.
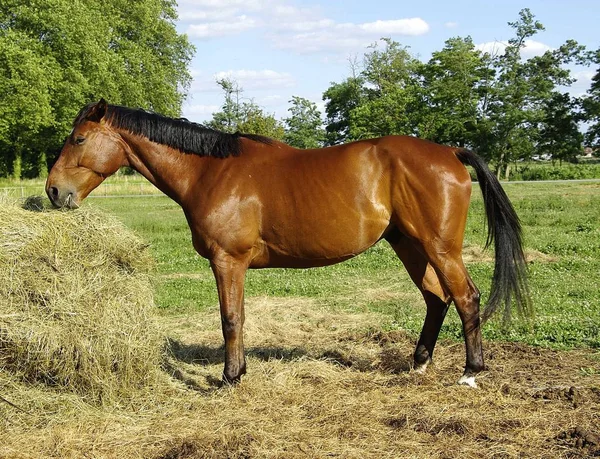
492	47
451	24
300	29
246	79
327	35
271	99
411	26
232	26
199	111
306	26
193	15
532	48
187	5
583	83
258	79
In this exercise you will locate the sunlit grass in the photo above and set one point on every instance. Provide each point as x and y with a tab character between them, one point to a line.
560	222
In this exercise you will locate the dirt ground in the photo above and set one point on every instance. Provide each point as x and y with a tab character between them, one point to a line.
331	384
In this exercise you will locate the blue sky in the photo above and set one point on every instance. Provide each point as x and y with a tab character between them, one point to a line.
276	49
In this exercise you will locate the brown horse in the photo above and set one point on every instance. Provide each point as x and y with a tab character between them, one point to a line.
253	202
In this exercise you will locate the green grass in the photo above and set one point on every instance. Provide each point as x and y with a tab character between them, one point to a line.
586	169
559	221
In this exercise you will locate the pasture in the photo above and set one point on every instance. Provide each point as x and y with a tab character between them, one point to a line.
330	350
561	224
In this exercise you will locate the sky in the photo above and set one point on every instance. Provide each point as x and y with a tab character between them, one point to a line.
276	49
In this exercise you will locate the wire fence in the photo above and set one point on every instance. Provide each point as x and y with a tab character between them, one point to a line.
105	190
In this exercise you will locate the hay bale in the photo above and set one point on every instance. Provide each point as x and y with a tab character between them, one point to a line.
76	303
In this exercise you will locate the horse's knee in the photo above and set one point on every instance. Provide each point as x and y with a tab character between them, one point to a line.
231	322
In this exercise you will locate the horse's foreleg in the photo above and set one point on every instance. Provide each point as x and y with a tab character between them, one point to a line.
229	274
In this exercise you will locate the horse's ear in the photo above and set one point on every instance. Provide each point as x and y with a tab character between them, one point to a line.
98	111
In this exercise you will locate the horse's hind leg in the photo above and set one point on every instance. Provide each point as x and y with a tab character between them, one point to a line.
455	279
442	277
436	299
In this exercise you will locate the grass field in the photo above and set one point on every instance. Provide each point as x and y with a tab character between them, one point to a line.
562	239
329	356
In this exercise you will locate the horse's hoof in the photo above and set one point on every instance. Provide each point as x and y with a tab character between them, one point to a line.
225	381
421	367
467	380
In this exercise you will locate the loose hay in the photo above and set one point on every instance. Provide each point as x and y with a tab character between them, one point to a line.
75	303
297	402
320	384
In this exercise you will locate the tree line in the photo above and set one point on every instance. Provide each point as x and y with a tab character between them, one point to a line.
56	56
499	104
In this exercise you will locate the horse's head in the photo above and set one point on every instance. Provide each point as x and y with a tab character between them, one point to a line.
92	152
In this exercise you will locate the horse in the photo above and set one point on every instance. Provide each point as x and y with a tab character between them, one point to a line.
252	202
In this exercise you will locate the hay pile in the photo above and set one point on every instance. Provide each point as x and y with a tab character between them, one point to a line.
75	302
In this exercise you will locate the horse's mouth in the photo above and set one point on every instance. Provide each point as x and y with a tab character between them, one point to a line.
68	202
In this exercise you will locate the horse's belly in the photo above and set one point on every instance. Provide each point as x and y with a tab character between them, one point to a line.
319	243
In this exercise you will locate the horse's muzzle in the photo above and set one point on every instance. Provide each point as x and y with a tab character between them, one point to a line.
64	199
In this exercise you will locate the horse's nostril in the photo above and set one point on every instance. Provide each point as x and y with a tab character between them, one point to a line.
54	191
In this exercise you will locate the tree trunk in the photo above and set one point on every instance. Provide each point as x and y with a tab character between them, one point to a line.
499	166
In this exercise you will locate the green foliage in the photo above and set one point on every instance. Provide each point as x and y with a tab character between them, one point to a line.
559	133
502	105
340	100
525	111
453	82
591	104
57	55
562	172
238	115
304	129
391	93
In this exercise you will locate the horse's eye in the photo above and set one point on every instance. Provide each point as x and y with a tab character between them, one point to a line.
79	140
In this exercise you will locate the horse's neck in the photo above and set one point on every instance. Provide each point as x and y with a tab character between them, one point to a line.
166	168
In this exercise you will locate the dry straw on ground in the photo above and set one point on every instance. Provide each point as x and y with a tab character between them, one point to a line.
75	303
321	383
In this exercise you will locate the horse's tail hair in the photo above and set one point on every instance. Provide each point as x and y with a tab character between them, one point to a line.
504	230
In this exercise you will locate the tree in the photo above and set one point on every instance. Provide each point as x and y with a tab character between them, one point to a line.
451	92
591	104
391	90
560	136
230	116
238	115
57	55
519	95
340	99
304	129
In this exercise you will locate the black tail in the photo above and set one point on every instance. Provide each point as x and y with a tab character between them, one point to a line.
504	229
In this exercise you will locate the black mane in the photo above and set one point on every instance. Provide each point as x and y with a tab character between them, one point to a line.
178	133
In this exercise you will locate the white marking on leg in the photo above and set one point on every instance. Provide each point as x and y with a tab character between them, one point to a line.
467	381
421	368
